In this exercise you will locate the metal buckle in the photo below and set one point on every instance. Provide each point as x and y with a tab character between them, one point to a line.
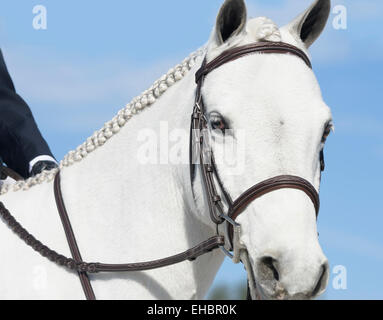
233	253
227	252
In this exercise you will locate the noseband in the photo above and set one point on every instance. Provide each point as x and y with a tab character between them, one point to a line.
201	151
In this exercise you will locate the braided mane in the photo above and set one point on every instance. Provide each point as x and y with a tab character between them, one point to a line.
113	127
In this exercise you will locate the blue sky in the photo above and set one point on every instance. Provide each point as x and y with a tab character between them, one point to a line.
97	55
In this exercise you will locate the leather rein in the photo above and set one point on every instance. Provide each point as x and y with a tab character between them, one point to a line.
198	148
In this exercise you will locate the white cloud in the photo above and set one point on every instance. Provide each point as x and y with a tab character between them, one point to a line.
81	94
49	77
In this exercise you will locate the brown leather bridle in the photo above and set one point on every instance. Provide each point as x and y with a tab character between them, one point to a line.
198	146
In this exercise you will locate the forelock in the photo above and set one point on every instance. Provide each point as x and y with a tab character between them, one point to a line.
263	29
257	30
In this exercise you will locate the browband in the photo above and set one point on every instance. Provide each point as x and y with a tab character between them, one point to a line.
259	47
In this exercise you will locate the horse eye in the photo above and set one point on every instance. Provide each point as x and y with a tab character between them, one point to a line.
217	122
327	132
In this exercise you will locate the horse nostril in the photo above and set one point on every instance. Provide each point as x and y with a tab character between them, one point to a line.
322	281
269	267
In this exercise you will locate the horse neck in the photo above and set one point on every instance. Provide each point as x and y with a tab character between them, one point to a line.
111	195
117	165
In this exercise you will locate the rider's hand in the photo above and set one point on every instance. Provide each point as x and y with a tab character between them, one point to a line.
43	166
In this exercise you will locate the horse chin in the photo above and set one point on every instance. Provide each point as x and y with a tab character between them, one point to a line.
268	291
271	290
275	292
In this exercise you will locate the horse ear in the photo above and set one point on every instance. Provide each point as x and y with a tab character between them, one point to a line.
231	20
309	25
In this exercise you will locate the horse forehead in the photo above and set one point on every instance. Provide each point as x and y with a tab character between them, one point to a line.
263	74
273	86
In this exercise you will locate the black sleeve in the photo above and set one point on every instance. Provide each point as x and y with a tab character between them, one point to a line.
20	138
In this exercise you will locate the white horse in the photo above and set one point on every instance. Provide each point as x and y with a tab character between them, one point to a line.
123	211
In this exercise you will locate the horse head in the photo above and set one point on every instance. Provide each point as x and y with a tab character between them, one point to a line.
271	107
